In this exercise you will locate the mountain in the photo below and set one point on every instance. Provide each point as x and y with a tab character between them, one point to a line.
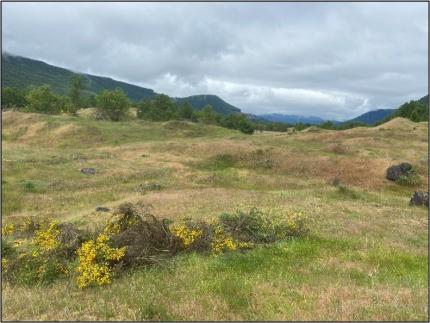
198	102
21	72
371	117
291	119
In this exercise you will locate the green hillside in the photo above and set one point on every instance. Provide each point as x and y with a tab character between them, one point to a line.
21	72
198	102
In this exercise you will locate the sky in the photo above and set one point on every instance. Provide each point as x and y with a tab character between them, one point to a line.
332	60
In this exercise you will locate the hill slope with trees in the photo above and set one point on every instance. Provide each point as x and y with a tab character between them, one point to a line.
22	73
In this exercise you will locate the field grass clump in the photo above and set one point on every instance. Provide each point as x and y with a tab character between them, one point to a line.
29	186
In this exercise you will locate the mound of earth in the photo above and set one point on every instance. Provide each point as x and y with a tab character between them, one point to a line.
398	123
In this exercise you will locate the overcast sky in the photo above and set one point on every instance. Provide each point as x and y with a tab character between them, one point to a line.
333	60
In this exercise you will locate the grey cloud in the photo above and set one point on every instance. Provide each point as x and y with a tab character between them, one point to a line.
328	59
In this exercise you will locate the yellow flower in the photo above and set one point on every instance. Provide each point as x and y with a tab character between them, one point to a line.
47	239
223	242
188	236
8	229
95	260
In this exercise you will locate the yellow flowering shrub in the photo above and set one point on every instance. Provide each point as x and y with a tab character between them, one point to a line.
95	261
187	235
40	259
224	242
47	240
134	238
284	221
8	229
31	225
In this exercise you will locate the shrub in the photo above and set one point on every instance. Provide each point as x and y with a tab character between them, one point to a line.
76	87
208	116
134	237
188	236
147	239
161	108
113	104
8	229
29	186
13	98
263	226
193	235
42	100
44	260
223	241
96	258
7	248
410	179
238	121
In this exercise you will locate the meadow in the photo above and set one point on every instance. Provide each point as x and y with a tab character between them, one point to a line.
365	256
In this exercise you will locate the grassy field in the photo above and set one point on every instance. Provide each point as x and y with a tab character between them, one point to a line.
365	258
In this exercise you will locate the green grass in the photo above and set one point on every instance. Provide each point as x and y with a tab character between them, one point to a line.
237	281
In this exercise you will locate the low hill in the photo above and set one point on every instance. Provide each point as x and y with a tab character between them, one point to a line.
398	124
372	117
21	72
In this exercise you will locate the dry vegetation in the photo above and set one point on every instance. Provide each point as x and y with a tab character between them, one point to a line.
365	258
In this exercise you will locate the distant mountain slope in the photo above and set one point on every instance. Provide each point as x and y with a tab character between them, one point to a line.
291	119
425	100
22	72
372	117
198	102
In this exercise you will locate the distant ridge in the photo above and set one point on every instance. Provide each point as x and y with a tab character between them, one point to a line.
291	119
